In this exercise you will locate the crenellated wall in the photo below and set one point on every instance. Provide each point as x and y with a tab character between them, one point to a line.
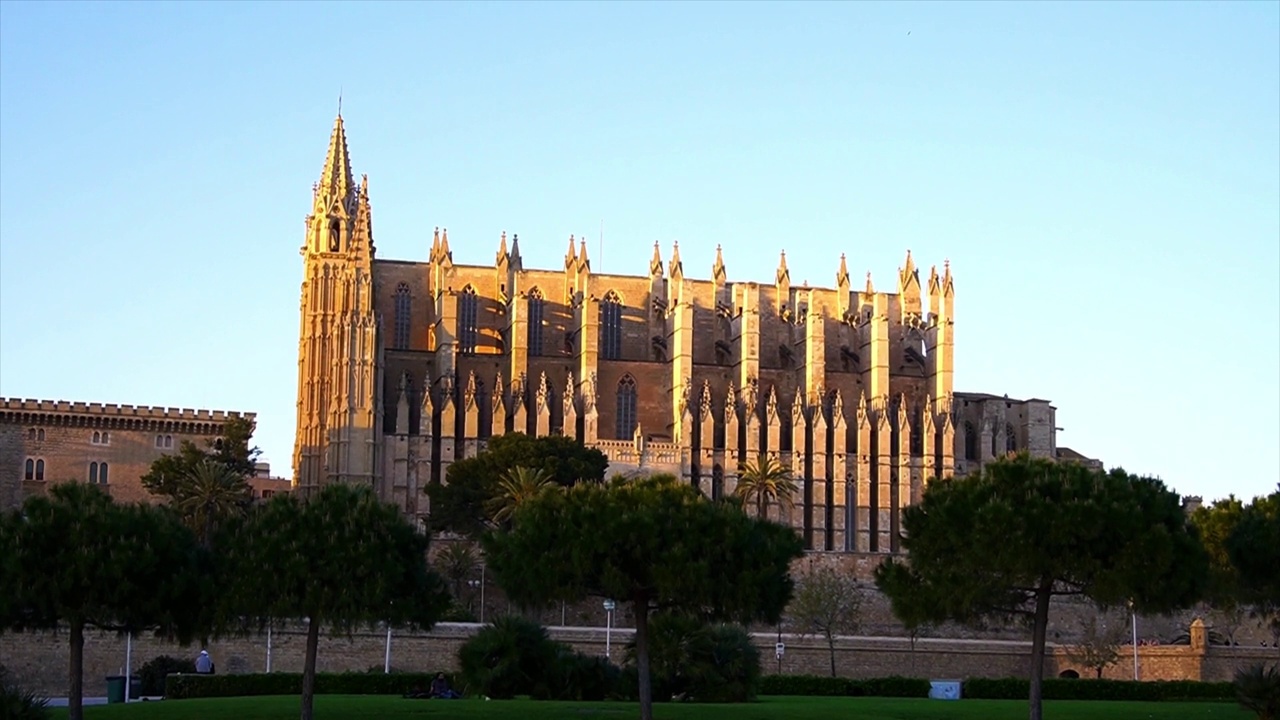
74	441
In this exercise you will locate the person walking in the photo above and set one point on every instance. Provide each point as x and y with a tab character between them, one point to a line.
204	663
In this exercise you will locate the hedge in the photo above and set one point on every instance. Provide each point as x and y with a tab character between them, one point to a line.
1000	689
179	687
1079	689
829	686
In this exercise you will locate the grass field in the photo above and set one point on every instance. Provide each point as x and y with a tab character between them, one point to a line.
335	707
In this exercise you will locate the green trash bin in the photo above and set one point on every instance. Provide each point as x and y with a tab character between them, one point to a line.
115	689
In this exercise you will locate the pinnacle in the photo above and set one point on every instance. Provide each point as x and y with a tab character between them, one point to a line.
335	179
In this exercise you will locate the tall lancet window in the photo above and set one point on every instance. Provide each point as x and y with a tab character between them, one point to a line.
626	408
971	440
535	322
467	314
403	307
611	327
917	431
1010	438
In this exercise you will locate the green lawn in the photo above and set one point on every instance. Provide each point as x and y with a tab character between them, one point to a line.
333	707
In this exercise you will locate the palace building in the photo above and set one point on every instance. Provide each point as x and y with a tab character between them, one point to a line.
43	442
405	367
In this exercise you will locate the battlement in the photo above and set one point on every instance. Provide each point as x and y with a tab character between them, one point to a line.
143	412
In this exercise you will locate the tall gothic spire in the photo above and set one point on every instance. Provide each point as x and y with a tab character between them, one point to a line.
335	179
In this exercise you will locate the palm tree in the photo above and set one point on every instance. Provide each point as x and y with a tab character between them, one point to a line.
456	562
517	486
210	494
763	481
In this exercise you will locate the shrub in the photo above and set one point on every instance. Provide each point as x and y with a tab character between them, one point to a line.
20	704
153	672
691	660
182	687
1258	689
513	656
582	677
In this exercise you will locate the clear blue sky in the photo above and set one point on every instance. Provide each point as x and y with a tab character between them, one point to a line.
1105	178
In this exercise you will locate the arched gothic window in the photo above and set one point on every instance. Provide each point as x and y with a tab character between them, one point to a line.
971	440
30	473
1010	438
93	472
102	473
626	425
40	470
535	322
403	306
611	327
467	313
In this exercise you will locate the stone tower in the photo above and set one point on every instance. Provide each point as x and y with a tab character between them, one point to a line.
339	353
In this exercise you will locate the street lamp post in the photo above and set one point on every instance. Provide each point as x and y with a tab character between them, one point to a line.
128	665
609	605
479	584
1134	613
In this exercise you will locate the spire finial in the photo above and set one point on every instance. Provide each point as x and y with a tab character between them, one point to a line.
339	101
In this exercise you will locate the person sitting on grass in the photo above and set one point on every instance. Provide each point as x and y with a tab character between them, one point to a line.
440	688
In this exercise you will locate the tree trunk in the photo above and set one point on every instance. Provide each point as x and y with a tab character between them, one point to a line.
1041	626
640	607
831	645
75	699
309	669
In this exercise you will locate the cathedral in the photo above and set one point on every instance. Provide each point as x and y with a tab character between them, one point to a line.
406	366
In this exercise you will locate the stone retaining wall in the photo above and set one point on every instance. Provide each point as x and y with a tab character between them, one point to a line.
40	660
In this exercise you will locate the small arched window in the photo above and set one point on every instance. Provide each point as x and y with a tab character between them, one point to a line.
168	441
467	321
403	308
93	472
30	473
97	437
31	434
106	438
1010	438
971	440
536	304
40	434
335	235
102	473
40	470
626	420
611	327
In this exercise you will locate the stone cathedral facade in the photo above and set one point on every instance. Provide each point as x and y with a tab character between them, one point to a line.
404	367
